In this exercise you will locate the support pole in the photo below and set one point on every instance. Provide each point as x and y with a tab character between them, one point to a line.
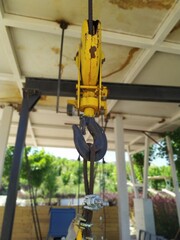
133	176
174	176
29	100
123	201
4	134
146	165
143	207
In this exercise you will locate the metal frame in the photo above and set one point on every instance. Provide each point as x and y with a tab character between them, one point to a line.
116	91
34	88
30	98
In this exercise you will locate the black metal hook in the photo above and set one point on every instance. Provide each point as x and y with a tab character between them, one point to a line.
100	141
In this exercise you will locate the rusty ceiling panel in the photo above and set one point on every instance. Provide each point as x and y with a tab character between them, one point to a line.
124	64
154	4
9	93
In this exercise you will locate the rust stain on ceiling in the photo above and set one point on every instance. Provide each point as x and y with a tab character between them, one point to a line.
55	50
126	62
61	67
9	93
43	98
154	4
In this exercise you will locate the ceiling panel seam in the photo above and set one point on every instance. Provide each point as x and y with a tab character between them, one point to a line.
40	25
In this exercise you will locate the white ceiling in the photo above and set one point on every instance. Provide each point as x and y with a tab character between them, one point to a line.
141	43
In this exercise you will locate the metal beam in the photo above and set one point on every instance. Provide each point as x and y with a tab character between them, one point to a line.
117	91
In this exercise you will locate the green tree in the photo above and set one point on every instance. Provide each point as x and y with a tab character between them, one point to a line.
78	173
37	167
50	186
175	142
155	171
50	175
110	177
138	161
66	171
7	166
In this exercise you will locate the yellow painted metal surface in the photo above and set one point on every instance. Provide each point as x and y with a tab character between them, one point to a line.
91	95
90	56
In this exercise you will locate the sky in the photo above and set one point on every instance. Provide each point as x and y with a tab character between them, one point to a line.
71	153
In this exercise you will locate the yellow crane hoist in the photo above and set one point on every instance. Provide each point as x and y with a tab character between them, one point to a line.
90	102
91	95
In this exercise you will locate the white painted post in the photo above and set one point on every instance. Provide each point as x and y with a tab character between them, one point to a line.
143	207
146	165
4	134
123	201
174	175
134	182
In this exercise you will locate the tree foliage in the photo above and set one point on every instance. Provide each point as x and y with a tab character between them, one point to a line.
175	142
7	165
36	168
138	161
164	172
50	175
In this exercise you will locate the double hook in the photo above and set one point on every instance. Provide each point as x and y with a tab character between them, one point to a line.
99	146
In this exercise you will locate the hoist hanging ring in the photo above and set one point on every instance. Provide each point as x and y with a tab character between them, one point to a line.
100	142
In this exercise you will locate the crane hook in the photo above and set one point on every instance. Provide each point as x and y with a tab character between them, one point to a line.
100	141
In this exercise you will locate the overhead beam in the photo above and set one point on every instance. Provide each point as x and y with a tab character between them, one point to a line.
117	91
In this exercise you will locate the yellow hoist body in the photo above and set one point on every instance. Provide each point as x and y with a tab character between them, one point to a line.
90	94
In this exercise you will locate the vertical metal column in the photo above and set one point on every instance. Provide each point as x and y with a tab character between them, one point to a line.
174	176
123	201
29	100
4	134
146	165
